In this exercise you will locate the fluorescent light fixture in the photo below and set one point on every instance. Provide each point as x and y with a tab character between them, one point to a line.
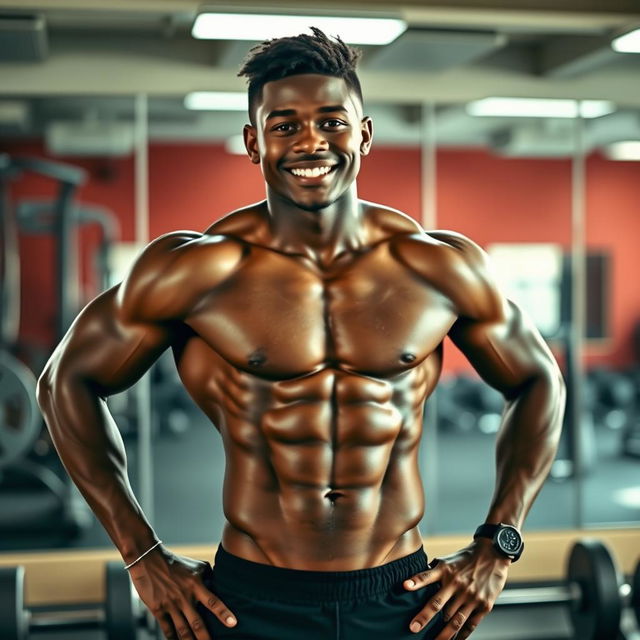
235	145
539	107
627	43
251	26
623	150
217	101
596	108
628	497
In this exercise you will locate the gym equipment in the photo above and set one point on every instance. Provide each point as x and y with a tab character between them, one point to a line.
453	413
19	413
13	621
20	422
467	404
122	615
124	610
593	592
614	398
38	217
635	593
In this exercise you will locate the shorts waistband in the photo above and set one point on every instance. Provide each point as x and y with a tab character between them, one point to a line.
266	582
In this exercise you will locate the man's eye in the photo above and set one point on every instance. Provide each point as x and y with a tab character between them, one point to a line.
284	127
333	123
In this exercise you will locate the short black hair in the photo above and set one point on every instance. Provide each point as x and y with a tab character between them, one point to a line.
282	57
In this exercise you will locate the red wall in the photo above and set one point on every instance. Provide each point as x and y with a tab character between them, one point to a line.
491	199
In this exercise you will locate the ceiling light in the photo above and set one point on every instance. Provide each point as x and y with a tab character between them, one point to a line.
539	107
217	101
624	150
628	43
249	26
596	108
628	497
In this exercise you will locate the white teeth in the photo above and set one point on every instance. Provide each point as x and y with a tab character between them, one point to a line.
311	173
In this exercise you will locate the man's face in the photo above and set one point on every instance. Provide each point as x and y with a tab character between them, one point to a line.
308	138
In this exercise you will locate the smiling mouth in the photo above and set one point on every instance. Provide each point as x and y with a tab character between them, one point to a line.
311	173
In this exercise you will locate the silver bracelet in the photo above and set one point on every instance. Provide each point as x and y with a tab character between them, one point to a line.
143	555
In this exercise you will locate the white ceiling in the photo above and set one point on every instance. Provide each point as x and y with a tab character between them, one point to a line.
454	51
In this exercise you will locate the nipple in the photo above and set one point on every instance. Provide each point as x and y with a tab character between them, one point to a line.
407	357
257	358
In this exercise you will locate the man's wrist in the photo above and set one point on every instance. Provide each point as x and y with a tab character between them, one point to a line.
133	547
485	547
505	539
142	555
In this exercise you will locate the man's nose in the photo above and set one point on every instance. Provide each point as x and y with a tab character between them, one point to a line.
310	140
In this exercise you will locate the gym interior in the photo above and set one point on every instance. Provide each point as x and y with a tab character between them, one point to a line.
112	133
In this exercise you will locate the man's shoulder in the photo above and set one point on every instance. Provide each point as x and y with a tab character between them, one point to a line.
178	250
406	232
438	249
174	270
387	222
455	265
247	225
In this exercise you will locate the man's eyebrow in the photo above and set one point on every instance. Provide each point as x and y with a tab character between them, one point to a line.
335	107
278	113
281	113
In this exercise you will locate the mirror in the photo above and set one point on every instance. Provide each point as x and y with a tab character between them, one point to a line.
611	353
506	184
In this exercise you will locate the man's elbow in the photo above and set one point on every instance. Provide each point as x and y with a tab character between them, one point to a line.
54	384
556	394
557	383
44	389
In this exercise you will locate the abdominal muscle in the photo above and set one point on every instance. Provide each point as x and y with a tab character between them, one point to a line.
328	483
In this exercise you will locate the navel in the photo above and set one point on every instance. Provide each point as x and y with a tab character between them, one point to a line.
407	357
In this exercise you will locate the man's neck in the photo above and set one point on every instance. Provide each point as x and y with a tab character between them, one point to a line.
320	235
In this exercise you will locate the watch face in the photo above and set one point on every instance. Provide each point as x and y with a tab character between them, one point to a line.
509	540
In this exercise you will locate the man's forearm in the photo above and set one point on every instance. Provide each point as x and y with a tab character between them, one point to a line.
92	451
526	446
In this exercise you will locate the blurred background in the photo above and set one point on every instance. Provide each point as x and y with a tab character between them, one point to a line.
105	144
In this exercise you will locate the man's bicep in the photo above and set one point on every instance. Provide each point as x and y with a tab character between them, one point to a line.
507	350
105	348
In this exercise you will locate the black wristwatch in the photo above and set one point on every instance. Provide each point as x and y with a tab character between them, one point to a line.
507	540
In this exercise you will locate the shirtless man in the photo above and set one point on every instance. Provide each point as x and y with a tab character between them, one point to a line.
309	328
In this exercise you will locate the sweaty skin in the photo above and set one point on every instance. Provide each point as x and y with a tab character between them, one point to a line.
309	328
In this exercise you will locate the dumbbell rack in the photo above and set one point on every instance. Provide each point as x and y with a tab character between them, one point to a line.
120	617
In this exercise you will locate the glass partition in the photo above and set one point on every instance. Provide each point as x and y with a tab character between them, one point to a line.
611	354
506	183
67	175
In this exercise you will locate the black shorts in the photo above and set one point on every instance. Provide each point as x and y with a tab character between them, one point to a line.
272	603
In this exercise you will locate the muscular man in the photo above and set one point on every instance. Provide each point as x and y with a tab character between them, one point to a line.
309	328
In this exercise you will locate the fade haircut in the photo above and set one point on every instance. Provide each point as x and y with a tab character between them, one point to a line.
282	57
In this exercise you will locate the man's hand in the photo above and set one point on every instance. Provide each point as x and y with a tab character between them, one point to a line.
170	586
471	580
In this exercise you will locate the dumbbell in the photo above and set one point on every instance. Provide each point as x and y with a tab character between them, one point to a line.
593	591
121	616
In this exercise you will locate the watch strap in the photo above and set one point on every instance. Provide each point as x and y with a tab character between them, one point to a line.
486	531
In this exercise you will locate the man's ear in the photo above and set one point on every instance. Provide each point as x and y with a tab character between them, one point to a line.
366	127
251	143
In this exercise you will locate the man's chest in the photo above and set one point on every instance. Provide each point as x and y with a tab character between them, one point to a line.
279	317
